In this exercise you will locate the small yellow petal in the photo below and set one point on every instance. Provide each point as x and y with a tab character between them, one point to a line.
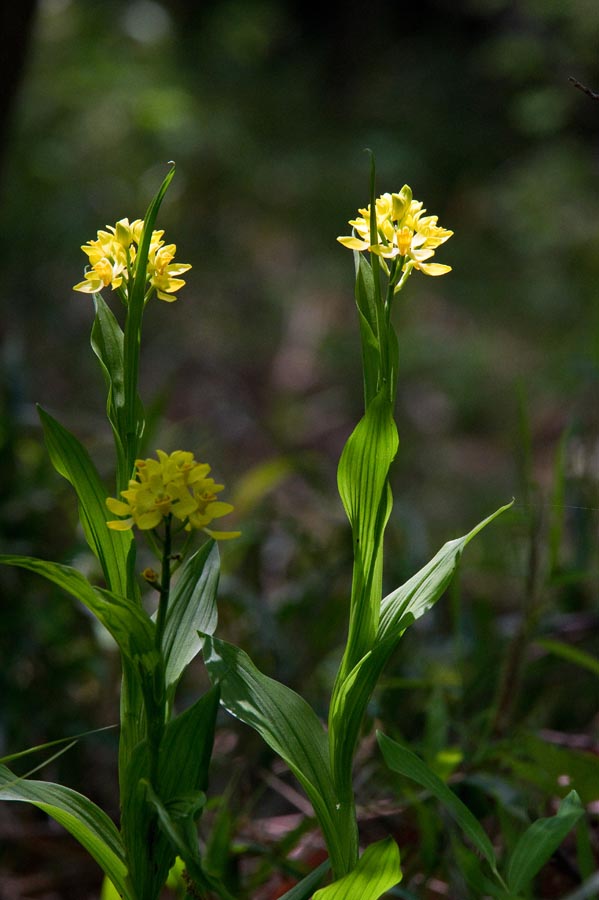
121	524
222	535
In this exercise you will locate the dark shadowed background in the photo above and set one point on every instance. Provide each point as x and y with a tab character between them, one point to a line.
267	107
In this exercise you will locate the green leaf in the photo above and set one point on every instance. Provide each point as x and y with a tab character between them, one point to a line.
540	841
290	728
352	693
470	866
128	624
192	608
177	822
66	740
377	871
364	490
367	318
185	752
186	748
410	601
114	549
404	762
304	889
82	818
107	343
571	654
133	414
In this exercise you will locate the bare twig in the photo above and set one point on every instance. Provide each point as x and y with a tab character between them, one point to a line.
582	87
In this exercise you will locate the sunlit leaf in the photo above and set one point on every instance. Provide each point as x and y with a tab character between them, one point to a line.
352	693
192	608
82	818
362	480
377	871
107	343
114	549
410	601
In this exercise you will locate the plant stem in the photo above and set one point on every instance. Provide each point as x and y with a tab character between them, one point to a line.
165	583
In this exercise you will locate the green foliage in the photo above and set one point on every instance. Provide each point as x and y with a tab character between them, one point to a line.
401	760
71	460
85	821
192	608
377	870
539	842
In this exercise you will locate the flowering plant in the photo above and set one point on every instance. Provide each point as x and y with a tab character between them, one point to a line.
164	754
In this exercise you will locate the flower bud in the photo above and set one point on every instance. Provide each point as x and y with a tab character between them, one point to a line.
401	203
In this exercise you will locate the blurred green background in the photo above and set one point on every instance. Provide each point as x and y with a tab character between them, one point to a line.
266	107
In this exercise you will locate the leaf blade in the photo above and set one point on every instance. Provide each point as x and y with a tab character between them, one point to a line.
82	818
540	841
401	760
377	871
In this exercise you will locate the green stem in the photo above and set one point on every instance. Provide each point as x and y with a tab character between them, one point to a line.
165	582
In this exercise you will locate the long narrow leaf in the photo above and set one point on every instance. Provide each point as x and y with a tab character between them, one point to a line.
192	608
362	481
352	693
107	341
287	724
131	628
377	871
72	739
572	654
404	762
114	549
416	596
540	841
82	818
304	889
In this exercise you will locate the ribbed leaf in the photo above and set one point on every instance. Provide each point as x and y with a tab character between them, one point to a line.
107	343
71	460
540	841
352	693
288	725
362	481
131	628
404	762
192	608
177	823
371	351
400	608
82	818
185	752
186	748
377	871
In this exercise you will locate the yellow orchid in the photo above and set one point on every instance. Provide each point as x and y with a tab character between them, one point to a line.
174	484
403	232
113	257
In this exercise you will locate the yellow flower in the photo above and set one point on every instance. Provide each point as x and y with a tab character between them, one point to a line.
174	484
403	233
113	261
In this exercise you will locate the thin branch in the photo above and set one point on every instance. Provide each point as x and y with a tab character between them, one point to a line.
582	87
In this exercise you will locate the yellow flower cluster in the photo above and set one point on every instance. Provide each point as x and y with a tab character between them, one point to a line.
174	484
403	231
112	257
